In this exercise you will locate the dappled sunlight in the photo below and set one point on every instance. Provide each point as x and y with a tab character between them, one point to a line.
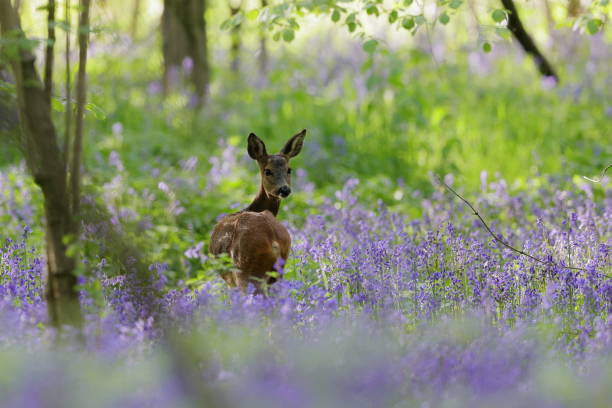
443	238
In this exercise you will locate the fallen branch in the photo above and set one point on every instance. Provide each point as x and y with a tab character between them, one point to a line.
603	173
500	240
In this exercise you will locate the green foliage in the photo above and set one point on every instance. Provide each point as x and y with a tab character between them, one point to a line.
594	25
370	45
498	15
12	43
389	124
444	18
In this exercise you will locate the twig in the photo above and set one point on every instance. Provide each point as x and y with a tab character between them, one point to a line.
603	173
498	239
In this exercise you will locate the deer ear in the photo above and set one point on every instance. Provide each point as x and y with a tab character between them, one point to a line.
294	145
257	148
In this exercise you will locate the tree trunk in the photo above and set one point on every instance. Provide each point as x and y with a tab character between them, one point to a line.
9	119
44	161
49	49
516	27
263	48
68	90
77	147
184	39
135	20
235	36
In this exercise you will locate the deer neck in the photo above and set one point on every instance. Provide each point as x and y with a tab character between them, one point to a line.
264	202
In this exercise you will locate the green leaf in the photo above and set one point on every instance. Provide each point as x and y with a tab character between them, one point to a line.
372	10
370	46
335	17
372	81
232	22
367	64
352	27
593	26
408	23
293	24
407	3
498	15
253	14
455	4
444	18
288	35
95	110
486	47
276	36
420	19
393	17
503	32
57	105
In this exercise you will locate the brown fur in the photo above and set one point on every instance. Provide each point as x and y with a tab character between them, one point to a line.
253	238
254	241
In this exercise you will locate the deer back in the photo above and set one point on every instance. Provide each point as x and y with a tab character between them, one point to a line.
254	240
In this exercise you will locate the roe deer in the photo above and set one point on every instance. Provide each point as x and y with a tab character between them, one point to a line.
253	238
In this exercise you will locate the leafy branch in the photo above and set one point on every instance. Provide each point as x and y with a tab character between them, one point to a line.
282	17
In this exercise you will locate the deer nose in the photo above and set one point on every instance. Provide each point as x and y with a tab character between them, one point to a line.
284	191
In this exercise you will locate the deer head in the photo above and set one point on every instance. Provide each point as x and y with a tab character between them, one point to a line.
274	168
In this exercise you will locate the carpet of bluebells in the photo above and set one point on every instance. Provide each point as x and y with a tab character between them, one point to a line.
377	309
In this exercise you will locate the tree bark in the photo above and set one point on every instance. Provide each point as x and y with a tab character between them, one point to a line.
235	38
263	47
49	49
135	20
516	27
44	161
77	146
68	90
9	118
184	36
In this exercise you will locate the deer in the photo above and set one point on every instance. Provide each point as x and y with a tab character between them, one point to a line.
254	239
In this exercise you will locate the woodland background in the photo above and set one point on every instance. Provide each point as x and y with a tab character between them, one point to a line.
123	127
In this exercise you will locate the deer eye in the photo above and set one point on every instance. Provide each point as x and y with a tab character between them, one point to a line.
268	172
289	170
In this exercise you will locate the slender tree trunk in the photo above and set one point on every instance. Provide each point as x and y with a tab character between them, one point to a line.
516	27
77	146
263	47
135	20
68	89
199	50
184	36
44	161
49	49
235	37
